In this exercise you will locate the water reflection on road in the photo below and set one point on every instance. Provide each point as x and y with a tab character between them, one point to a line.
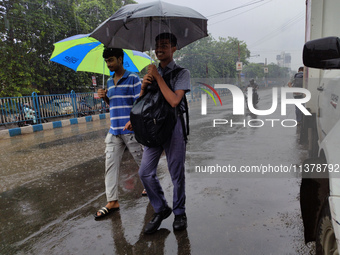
28	157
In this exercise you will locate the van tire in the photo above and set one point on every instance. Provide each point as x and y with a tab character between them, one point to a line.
325	237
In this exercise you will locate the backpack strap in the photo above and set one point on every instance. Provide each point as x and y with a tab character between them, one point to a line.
173	74
185	125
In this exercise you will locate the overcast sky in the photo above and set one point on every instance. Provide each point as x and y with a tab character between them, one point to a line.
267	26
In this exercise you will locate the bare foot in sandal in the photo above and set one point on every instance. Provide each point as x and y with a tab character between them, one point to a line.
110	207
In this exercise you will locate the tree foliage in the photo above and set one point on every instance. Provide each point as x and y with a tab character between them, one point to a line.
28	29
213	58
276	71
210	58
253	70
276	74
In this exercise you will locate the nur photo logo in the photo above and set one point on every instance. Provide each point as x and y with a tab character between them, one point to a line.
239	106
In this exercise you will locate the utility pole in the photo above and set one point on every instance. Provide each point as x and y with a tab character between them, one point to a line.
265	69
239	66
239	60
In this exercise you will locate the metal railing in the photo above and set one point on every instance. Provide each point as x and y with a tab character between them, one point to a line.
36	109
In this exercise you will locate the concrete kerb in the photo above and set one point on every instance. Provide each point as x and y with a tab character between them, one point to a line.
8	133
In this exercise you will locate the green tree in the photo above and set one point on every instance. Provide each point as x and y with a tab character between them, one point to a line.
28	30
276	74
275	71
197	57
228	52
91	13
215	59
253	70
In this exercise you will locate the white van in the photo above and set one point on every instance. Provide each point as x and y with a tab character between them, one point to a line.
320	187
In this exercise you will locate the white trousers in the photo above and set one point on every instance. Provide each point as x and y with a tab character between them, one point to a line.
115	146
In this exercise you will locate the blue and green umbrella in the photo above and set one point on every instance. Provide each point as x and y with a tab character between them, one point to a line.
84	53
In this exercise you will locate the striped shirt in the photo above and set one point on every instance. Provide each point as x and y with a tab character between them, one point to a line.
122	96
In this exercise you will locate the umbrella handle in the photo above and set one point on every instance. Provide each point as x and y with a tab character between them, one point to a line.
150	40
150	55
103	73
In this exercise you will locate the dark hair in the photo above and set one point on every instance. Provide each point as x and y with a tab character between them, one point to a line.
171	37
300	69
113	52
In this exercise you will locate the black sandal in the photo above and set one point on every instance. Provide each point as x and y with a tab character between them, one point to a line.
104	211
144	194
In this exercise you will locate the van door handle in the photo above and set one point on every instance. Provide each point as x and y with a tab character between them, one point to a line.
320	88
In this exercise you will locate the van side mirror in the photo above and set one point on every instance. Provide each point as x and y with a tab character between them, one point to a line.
322	53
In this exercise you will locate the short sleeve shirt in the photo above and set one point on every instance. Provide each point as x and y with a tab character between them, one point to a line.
181	81
292	78
122	97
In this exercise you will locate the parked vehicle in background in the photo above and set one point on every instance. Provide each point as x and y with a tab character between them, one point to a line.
58	107
6	116
320	189
26	116
104	107
84	109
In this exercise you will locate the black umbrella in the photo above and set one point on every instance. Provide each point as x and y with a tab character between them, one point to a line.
135	26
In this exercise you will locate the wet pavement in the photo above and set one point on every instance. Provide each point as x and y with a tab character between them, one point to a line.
52	183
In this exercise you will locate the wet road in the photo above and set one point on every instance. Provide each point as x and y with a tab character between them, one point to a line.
52	182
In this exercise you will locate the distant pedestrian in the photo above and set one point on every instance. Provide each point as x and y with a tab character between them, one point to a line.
123	88
296	81
253	84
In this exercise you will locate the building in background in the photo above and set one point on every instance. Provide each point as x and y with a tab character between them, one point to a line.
284	60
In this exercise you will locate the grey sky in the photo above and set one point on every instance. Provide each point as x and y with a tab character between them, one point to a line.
267	26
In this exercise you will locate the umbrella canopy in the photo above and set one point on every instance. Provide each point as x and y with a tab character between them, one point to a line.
135	26
83	53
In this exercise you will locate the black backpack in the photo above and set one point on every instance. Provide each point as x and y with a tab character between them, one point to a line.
152	117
